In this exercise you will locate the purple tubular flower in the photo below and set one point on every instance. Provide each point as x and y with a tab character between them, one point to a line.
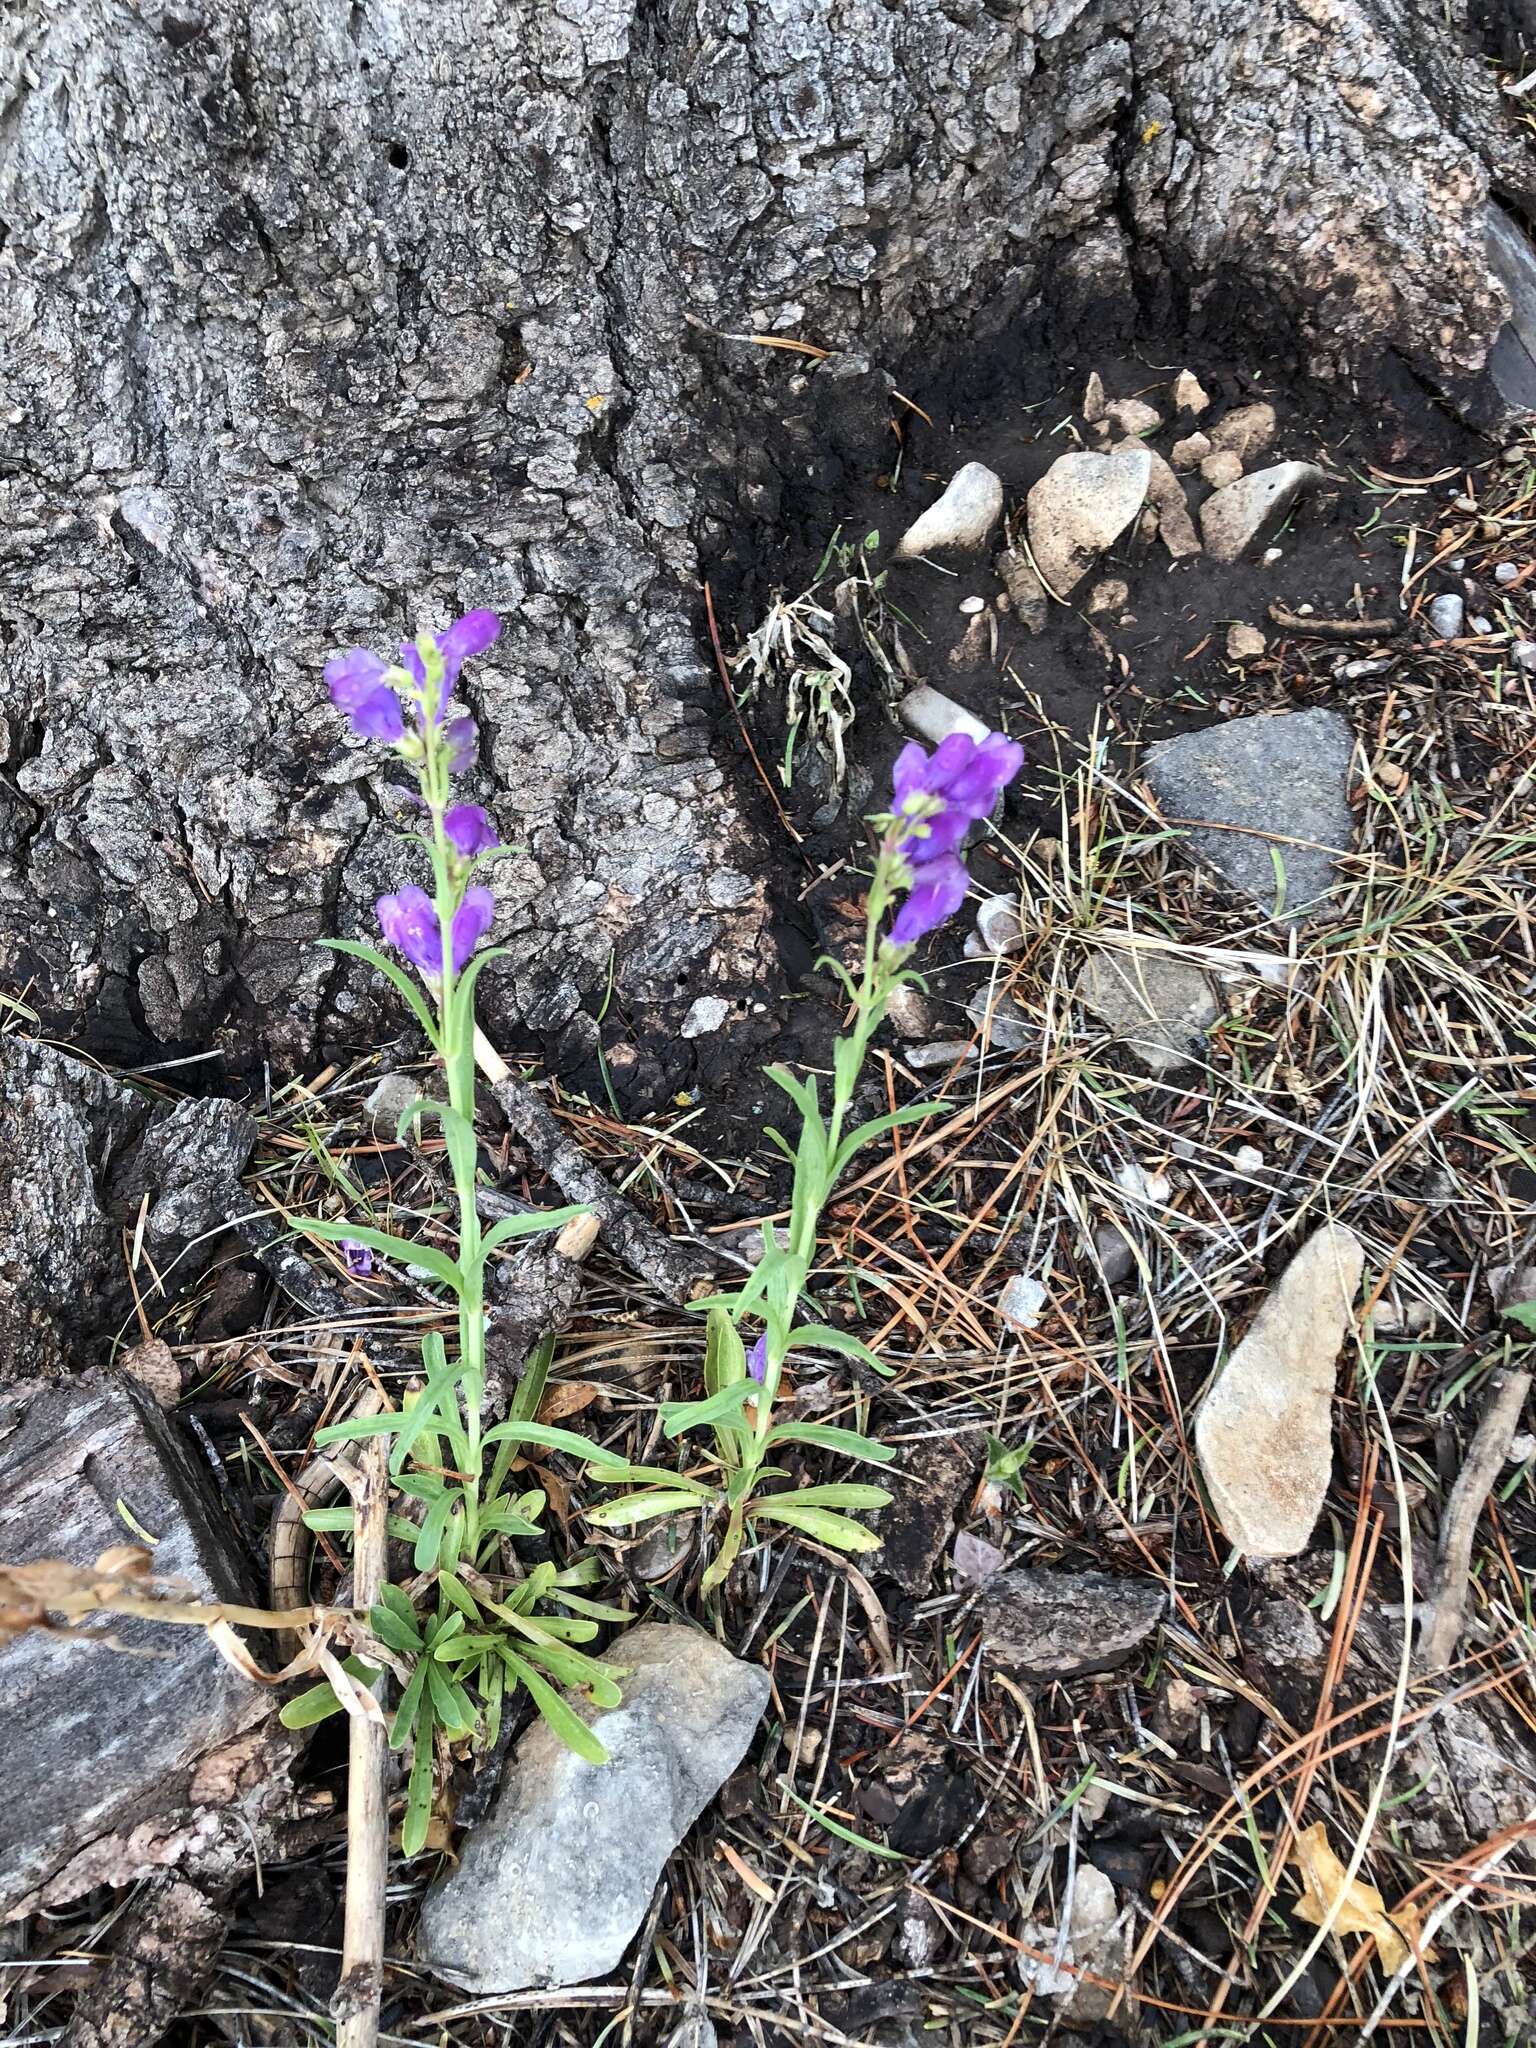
937	894
352	676
757	1359
462	736
471	922
409	923
358	1257
470	635
965	776
378	715
469	830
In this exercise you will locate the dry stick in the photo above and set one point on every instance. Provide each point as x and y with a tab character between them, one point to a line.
1490	1447
355	2006
672	1269
1336	629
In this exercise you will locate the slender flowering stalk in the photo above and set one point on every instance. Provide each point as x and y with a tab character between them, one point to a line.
918	874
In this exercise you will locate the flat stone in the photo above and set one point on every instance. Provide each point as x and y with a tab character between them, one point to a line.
909	1012
933	716
1080	507
1245	643
1285	774
704	1016
1161	1005
1249	431
971	506
1264	1433
1174	525
552	1886
1002	1024
1238	516
1189	394
1192	451
1132	417
1022	1301
999	927
109	1740
1110	595
1049	1624
1447	615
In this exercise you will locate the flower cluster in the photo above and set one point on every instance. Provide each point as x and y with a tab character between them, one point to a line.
935	801
409	705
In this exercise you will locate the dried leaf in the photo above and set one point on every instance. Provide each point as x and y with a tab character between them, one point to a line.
153	1364
569	1397
1361	1910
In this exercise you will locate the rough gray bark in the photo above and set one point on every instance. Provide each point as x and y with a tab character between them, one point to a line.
110	1744
317	311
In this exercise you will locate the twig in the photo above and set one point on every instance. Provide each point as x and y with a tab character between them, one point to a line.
672	1269
1335	629
355	2005
1447	1601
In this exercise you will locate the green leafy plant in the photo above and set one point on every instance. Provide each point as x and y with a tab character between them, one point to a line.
935	802
470	1627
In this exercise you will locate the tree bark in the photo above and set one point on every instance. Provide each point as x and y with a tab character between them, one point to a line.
323	316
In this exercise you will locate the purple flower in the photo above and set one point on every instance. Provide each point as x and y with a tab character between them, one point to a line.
378	716
470	635
937	894
757	1359
409	924
964	775
471	922
351	677
462	736
358	1257
470	830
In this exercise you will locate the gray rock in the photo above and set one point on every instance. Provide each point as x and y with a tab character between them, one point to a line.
999	926
1002	1024
1264	1433
1447	613
933	716
705	1015
110	1740
970	507
942	1052
909	1012
1286	775
1240	514
1132	417
1112	1249
1505	572
1166	496
1080	507
552	1886
1161	1005
1093	399
1049	1624
696	2031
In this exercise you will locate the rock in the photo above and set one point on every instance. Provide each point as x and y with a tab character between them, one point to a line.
920	1933
1480	624
1080	507
932	1492
1161	1005
1093	399
1098	1940
1021	1301
705	1015
943	1052
1002	1025
1247	432
920	1798
975	644
1189	394
1146	1190
551	1887
1192	451
1112	595
69	1454
974	1559
1264	1432
1132	417
1286	774
1026	593
1446	615
909	1012
1172	508
1048	1625
1222	467
971	506
999	925
80	1158
1113	1251
933	716
1524	652
1505	572
1237	516
1245	643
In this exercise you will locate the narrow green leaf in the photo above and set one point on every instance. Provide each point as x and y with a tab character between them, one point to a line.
725	1355
821	1337
397	977
506	1227
400	1249
566	1723
418	1796
842	1493
530	1388
847	1442
551	1439
632	1508
835	1827
726	1406
329	1521
410	1700
818	1522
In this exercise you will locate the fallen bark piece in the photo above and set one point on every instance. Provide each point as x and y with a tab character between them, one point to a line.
110	1740
937	1477
1046	1625
552	1887
1268	798
163	1953
971	506
1444	1611
1264	1433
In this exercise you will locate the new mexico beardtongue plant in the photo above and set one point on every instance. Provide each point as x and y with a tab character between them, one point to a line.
935	801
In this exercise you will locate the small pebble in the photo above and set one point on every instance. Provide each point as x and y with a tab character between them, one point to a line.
1520	1449
998	925
1447	615
1506	572
1524	652
1480	624
942	1053
1391	776
1248	1159
1022	1301
1270	556
1138	1185
1245	643
971	605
